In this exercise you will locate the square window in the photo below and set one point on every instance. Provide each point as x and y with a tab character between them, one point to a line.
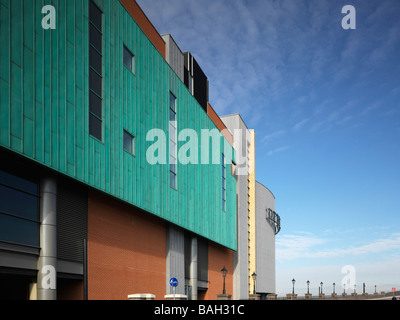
129	143
128	59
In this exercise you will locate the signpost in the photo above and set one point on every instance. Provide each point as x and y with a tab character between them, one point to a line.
174	283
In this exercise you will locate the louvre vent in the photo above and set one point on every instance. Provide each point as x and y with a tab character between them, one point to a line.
72	207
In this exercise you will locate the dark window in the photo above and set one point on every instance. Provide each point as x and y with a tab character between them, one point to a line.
21	204
95	104
96	60
172	178
223	183
128	59
95	71
129	143
172	139
95	126
95	15
95	38
96	82
19	183
16	230
19	210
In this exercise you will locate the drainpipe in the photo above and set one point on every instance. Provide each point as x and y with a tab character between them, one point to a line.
47	262
193	267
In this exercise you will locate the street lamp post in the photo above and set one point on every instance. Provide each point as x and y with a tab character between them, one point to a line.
293	282
224	271
308	286
254	276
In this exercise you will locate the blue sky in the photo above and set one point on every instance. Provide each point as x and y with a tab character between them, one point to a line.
325	105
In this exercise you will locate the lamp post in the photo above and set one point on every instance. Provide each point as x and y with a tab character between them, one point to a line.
308	286
333	288
293	282
224	271
254	276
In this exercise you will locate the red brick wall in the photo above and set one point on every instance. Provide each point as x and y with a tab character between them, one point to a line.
126	250
218	257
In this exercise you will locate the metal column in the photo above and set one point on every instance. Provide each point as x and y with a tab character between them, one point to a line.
47	262
193	267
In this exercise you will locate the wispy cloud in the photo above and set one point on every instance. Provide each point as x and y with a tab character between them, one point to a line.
291	247
271	136
277	150
300	124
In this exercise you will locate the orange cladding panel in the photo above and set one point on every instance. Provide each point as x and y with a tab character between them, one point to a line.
144	23
126	250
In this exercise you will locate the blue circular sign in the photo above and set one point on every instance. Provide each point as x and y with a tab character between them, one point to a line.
173	282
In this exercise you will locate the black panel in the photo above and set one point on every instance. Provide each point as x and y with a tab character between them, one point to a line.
200	85
202	259
72	207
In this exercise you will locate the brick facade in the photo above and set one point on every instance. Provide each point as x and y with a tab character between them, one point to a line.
126	250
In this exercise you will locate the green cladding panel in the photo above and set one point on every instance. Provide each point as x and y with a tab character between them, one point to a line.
44	113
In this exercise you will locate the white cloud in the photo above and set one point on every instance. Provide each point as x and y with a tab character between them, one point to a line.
277	150
291	247
267	138
300	124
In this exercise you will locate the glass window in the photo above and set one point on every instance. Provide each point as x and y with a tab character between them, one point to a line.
19	210
172	180
95	38
95	71
18	203
18	183
95	104
96	82
223	182
129	59
172	102
129	143
13	229
96	60
95	15
95	126
172	139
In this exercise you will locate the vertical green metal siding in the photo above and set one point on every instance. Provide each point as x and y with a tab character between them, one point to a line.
44	113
